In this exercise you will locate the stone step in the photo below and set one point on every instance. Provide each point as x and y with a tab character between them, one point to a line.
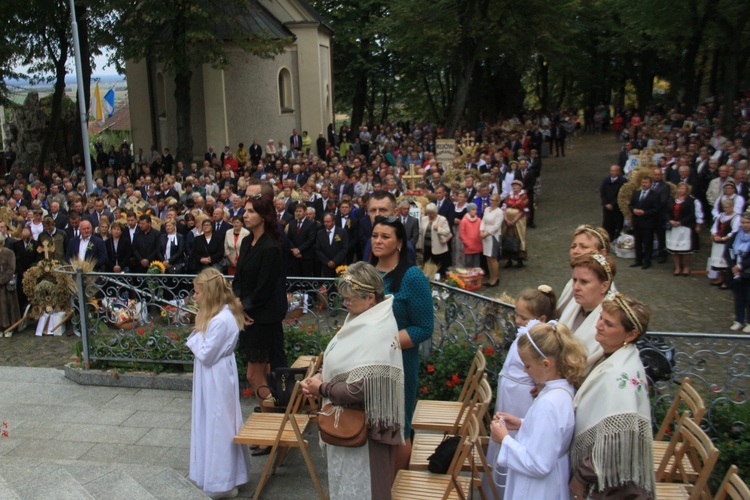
76	479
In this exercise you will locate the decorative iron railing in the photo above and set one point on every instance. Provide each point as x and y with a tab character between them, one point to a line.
145	318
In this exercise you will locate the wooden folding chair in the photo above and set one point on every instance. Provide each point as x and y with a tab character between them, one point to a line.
447	416
673	482
413	485
733	486
282	432
424	444
689	397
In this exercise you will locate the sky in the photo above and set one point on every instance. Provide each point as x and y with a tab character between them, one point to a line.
101	68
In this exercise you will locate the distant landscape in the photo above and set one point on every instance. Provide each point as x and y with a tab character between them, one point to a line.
21	87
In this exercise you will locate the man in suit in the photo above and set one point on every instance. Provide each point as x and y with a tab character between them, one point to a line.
59	218
301	234
88	246
220	226
445	206
255	152
345	221
210	155
646	212
559	135
295	143
471	191
145	247
528	177
663	193
96	215
612	218
74	221
411	224
282	214
331	247
26	258
345	188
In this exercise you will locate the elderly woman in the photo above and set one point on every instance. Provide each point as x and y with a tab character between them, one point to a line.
9	310
681	227
611	455
729	193
586	239
232	241
725	226
364	368
468	232
515	210
434	235
592	278
489	231
737	255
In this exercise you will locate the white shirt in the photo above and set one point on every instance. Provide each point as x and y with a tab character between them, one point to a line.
82	248
170	241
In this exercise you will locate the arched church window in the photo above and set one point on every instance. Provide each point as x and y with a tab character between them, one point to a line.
161	96
286	104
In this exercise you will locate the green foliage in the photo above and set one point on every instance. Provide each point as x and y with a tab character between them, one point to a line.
730	436
302	340
441	374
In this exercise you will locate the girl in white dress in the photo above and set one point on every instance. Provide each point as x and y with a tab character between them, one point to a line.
217	465
537	458
514	386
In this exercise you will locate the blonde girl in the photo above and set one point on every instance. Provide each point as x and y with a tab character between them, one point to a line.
217	465
537	458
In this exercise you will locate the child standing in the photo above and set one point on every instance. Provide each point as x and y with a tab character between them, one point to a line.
537	458
217	465
514	385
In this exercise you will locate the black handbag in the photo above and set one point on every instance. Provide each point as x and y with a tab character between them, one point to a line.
281	383
440	460
511	244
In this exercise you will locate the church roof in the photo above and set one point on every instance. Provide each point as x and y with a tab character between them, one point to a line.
255	19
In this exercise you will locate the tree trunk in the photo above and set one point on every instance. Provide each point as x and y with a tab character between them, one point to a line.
645	83
430	100
182	100
713	87
358	103
57	97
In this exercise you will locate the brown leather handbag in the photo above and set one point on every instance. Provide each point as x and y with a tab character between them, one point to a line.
342	426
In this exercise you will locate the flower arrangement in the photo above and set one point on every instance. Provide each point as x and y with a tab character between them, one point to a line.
156	267
341	269
455	281
47	289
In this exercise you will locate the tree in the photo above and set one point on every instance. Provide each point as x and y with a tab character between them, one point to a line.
183	35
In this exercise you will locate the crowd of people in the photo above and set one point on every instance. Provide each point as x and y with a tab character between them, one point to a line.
696	179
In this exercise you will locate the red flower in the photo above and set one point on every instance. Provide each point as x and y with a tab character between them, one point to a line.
141	331
246	393
424	390
455	379
479	336
489	351
430	368
450	384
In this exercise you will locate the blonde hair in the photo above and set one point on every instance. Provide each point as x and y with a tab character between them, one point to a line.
361	279
599	234
556	342
540	301
216	294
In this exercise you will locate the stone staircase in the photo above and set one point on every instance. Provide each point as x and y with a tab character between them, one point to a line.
26	479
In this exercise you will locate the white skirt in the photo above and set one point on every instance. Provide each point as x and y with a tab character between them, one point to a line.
717	259
680	239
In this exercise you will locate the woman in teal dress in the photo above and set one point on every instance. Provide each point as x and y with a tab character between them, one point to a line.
412	307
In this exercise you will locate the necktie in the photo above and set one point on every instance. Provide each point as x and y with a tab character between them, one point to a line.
438	204
643	195
299	225
218	225
403	220
278	215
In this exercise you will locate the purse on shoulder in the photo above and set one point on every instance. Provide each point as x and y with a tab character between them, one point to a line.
342	426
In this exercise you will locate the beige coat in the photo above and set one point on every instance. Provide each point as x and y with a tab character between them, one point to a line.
230	251
9	312
443	229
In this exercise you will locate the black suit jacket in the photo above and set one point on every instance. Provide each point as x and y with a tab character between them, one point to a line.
299	142
223	228
335	251
609	190
447	209
203	248
98	251
528	181
351	232
26	258
177	252
304	239
145	246
61	221
93	217
650	205
259	280
119	257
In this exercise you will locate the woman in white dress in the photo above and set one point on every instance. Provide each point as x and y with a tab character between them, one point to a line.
730	193
725	226
537	458
489	231
217	465
586	239
364	367
592	277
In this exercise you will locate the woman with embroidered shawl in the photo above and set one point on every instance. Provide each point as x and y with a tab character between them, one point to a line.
611	455
592	280
363	367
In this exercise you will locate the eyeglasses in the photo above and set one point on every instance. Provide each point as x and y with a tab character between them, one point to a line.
391	219
348	301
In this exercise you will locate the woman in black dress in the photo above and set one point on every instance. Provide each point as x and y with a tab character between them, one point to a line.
255	283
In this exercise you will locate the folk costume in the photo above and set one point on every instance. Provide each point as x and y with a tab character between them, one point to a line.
364	367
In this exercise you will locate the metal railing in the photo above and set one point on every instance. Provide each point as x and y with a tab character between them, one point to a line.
145	318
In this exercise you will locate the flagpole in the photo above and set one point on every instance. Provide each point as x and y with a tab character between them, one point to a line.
81	99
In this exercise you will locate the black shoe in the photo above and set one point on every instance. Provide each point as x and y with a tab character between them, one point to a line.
261	451
520	264
646	265
531	226
508	265
636	264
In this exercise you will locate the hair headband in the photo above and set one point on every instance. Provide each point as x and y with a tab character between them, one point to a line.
596	234
357	285
603	262
552	324
619	299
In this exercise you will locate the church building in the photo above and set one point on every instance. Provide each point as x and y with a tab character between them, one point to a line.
252	99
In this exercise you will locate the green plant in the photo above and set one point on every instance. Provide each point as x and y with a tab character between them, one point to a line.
441	374
300	340
728	420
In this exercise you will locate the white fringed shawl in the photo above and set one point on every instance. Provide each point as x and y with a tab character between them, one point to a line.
613	422
367	348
